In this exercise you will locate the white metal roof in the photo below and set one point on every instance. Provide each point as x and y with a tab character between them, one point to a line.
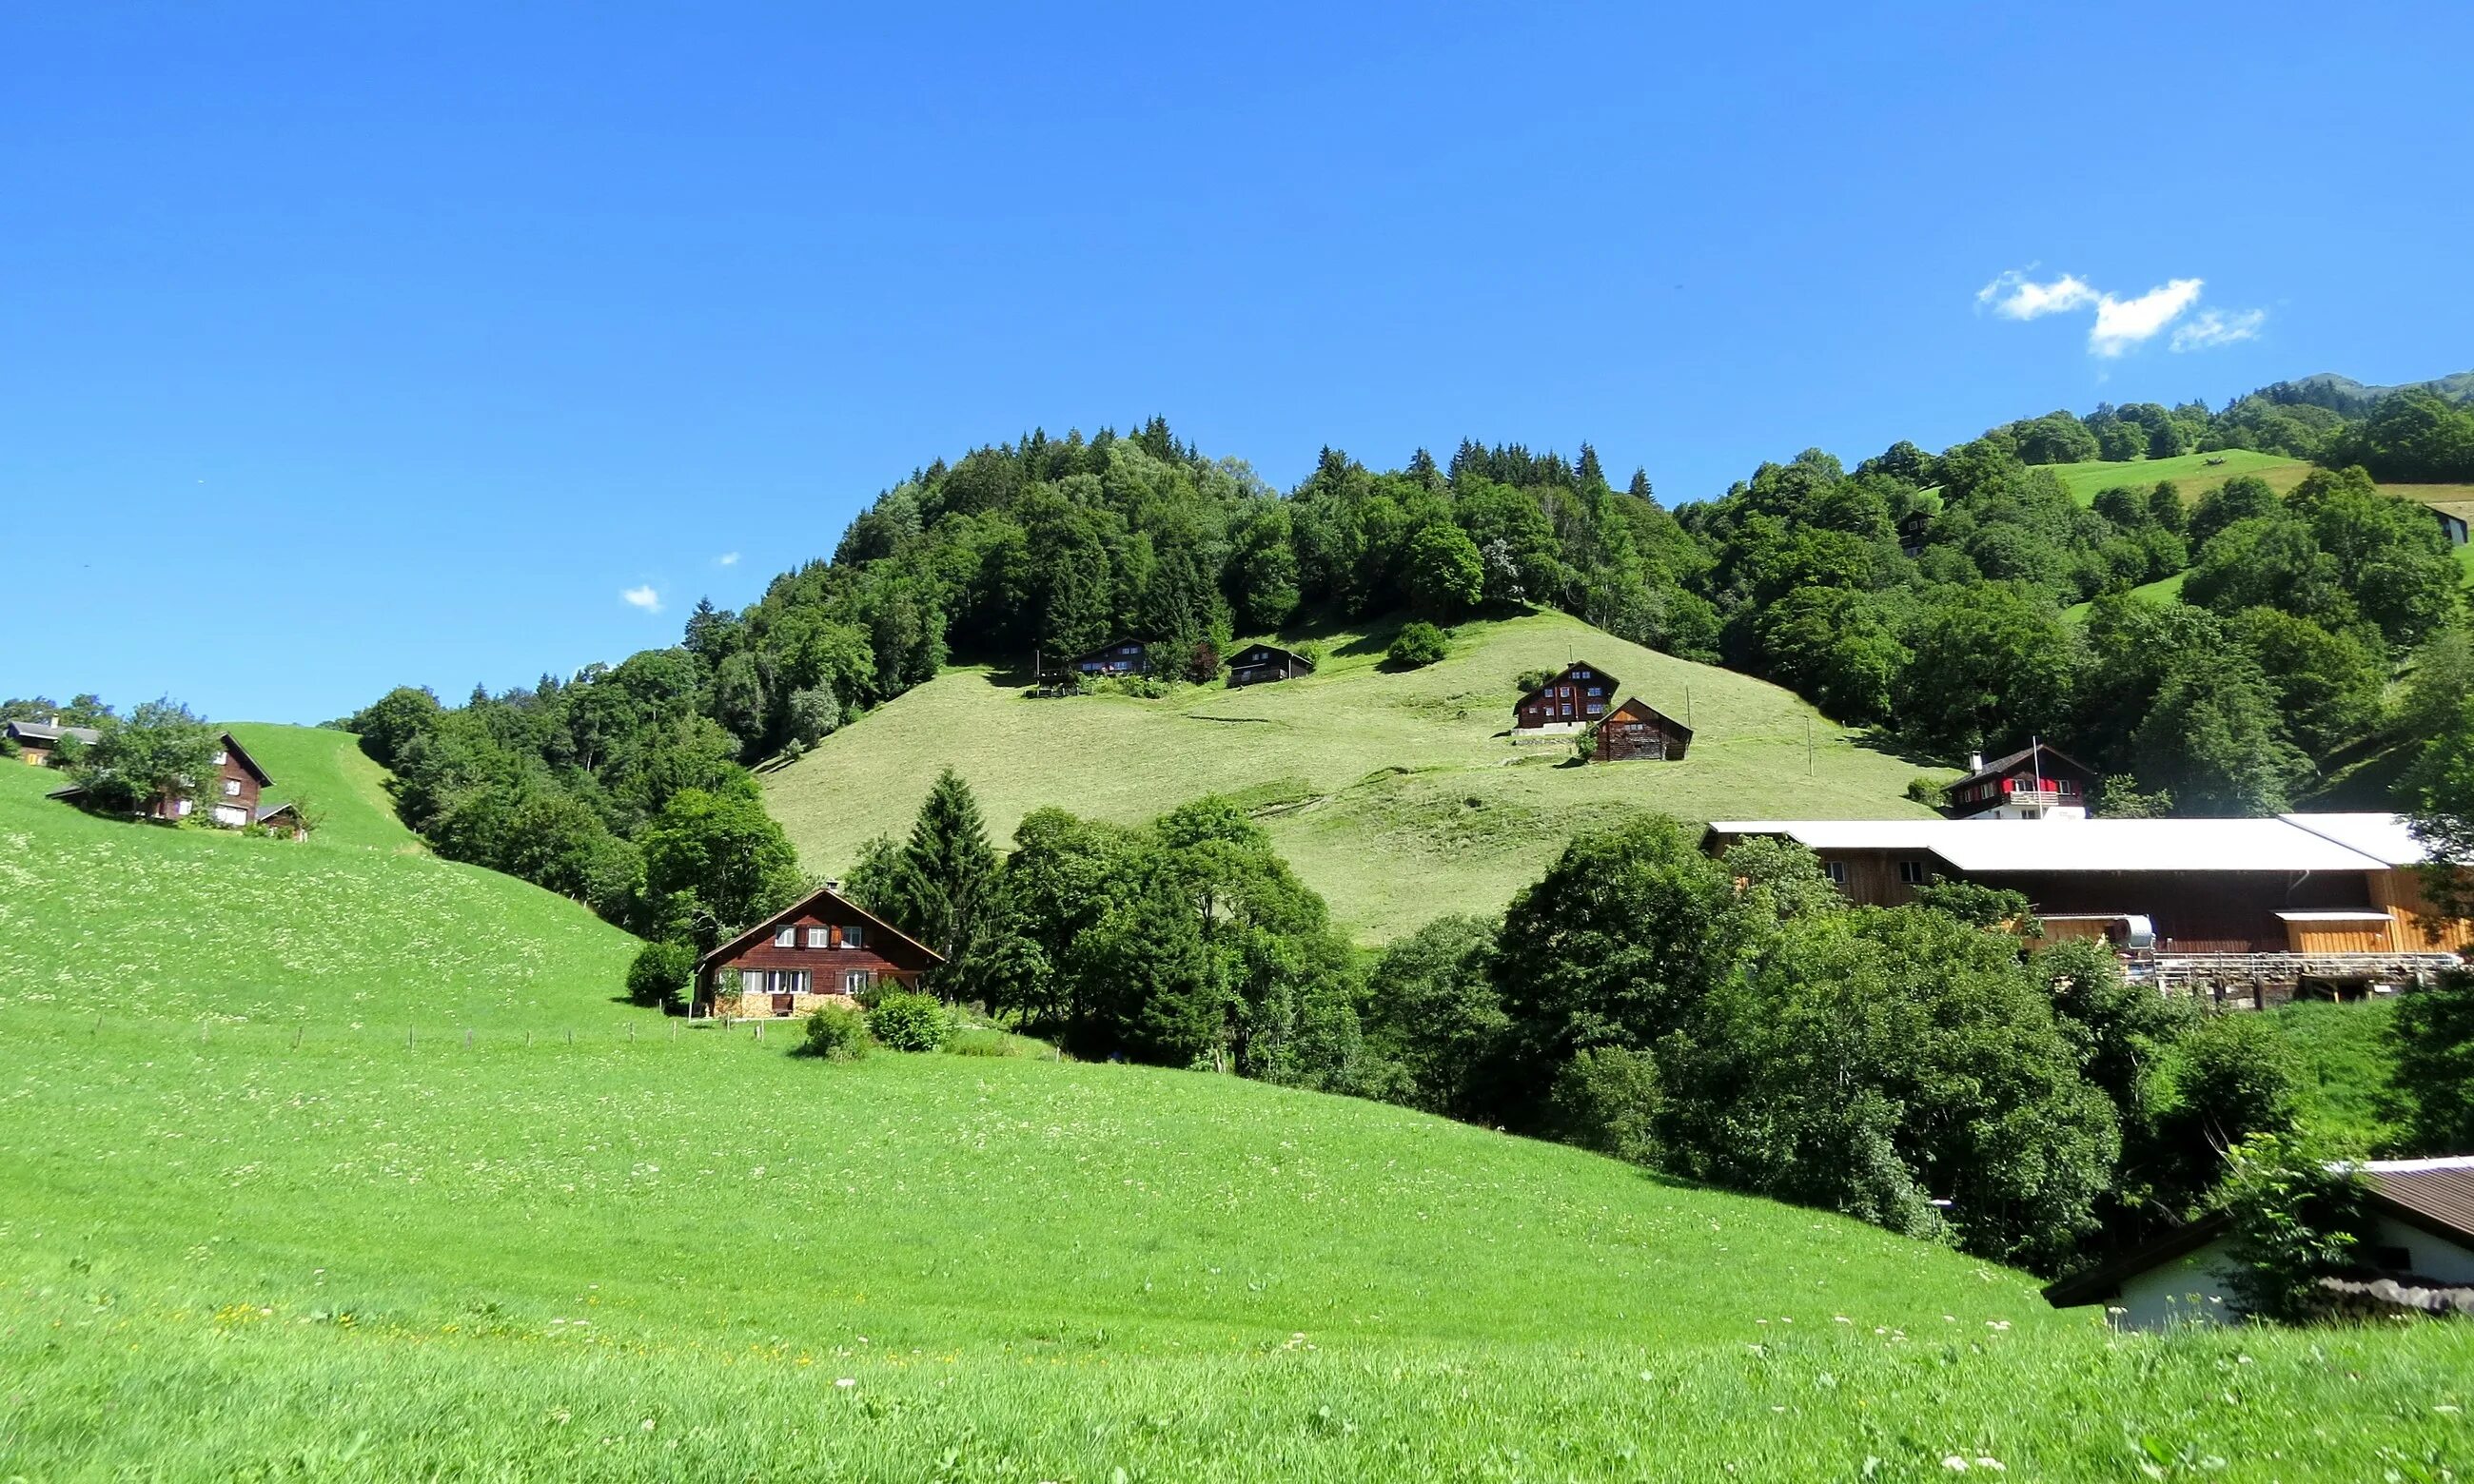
2387	836
2333	915
1999	847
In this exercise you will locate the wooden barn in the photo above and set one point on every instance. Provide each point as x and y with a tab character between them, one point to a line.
1568	699
2312	885
1635	730
823	949
36	741
1258	664
2034	782
1119	657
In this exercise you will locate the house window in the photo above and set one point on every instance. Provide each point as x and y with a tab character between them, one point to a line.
2393	1259
1596	707
1837	872
751	981
1597	690
820	937
785	981
1911	872
2066	788
221	757
231	788
785	936
855	982
851	936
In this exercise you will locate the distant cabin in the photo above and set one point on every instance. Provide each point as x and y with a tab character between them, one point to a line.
1259	664
1913	528
1122	657
1636	731
2034	782
36	741
2452	525
823	949
235	799
1571	698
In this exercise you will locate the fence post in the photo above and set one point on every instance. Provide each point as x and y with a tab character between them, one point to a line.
296	1033
571	1035
467	1038
409	1038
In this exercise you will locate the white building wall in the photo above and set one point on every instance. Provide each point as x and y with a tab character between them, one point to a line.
2189	1290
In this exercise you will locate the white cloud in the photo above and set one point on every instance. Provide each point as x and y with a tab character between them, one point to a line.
726	559
2120	325
2013	296
2218	328
643	597
2124	323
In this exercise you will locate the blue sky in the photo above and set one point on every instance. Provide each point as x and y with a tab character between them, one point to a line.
342	348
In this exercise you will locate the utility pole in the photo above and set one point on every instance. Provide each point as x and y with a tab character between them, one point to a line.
1807	747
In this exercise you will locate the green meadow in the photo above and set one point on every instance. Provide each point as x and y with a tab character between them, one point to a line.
339	1160
2196	473
1397	794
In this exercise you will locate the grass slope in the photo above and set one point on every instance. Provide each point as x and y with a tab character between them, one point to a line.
327	773
1394	794
130	919
2190	471
298	1243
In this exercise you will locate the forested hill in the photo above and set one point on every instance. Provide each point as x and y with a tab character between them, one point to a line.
1926	596
2346	396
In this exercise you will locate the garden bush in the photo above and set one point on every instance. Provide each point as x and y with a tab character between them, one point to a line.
837	1033
905	1020
985	1040
1417	645
660	975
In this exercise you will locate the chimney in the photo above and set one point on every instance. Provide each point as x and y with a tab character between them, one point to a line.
56	718
1974	762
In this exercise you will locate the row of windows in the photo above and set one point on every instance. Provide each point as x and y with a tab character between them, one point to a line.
836	937
795	981
2067	788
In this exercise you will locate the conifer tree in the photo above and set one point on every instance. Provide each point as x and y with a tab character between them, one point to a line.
947	893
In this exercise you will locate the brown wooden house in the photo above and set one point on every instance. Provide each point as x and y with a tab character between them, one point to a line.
1258	664
823	949
1571	698
1635	730
234	797
1119	657
36	741
2031	783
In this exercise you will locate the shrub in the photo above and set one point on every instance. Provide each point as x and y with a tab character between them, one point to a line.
660	975
984	1041
906	1020
1930	792
1417	645
2297	1219
1608	1099
837	1033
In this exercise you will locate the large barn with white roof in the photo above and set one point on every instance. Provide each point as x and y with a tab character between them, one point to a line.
2334	897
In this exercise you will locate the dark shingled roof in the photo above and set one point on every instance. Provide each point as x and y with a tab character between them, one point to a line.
45	732
1995	767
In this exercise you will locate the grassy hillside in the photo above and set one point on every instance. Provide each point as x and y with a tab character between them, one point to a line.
296	1242
326	774
2192	471
136	921
1395	795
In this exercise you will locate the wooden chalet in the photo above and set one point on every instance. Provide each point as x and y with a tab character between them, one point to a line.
1118	656
2034	782
1568	699
1635	730
823	949
36	741
2323	899
1258	664
235	797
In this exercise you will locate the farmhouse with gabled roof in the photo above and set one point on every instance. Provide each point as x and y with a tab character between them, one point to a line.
1258	664
822	949
36	741
235	799
1637	729
1566	700
1117	657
